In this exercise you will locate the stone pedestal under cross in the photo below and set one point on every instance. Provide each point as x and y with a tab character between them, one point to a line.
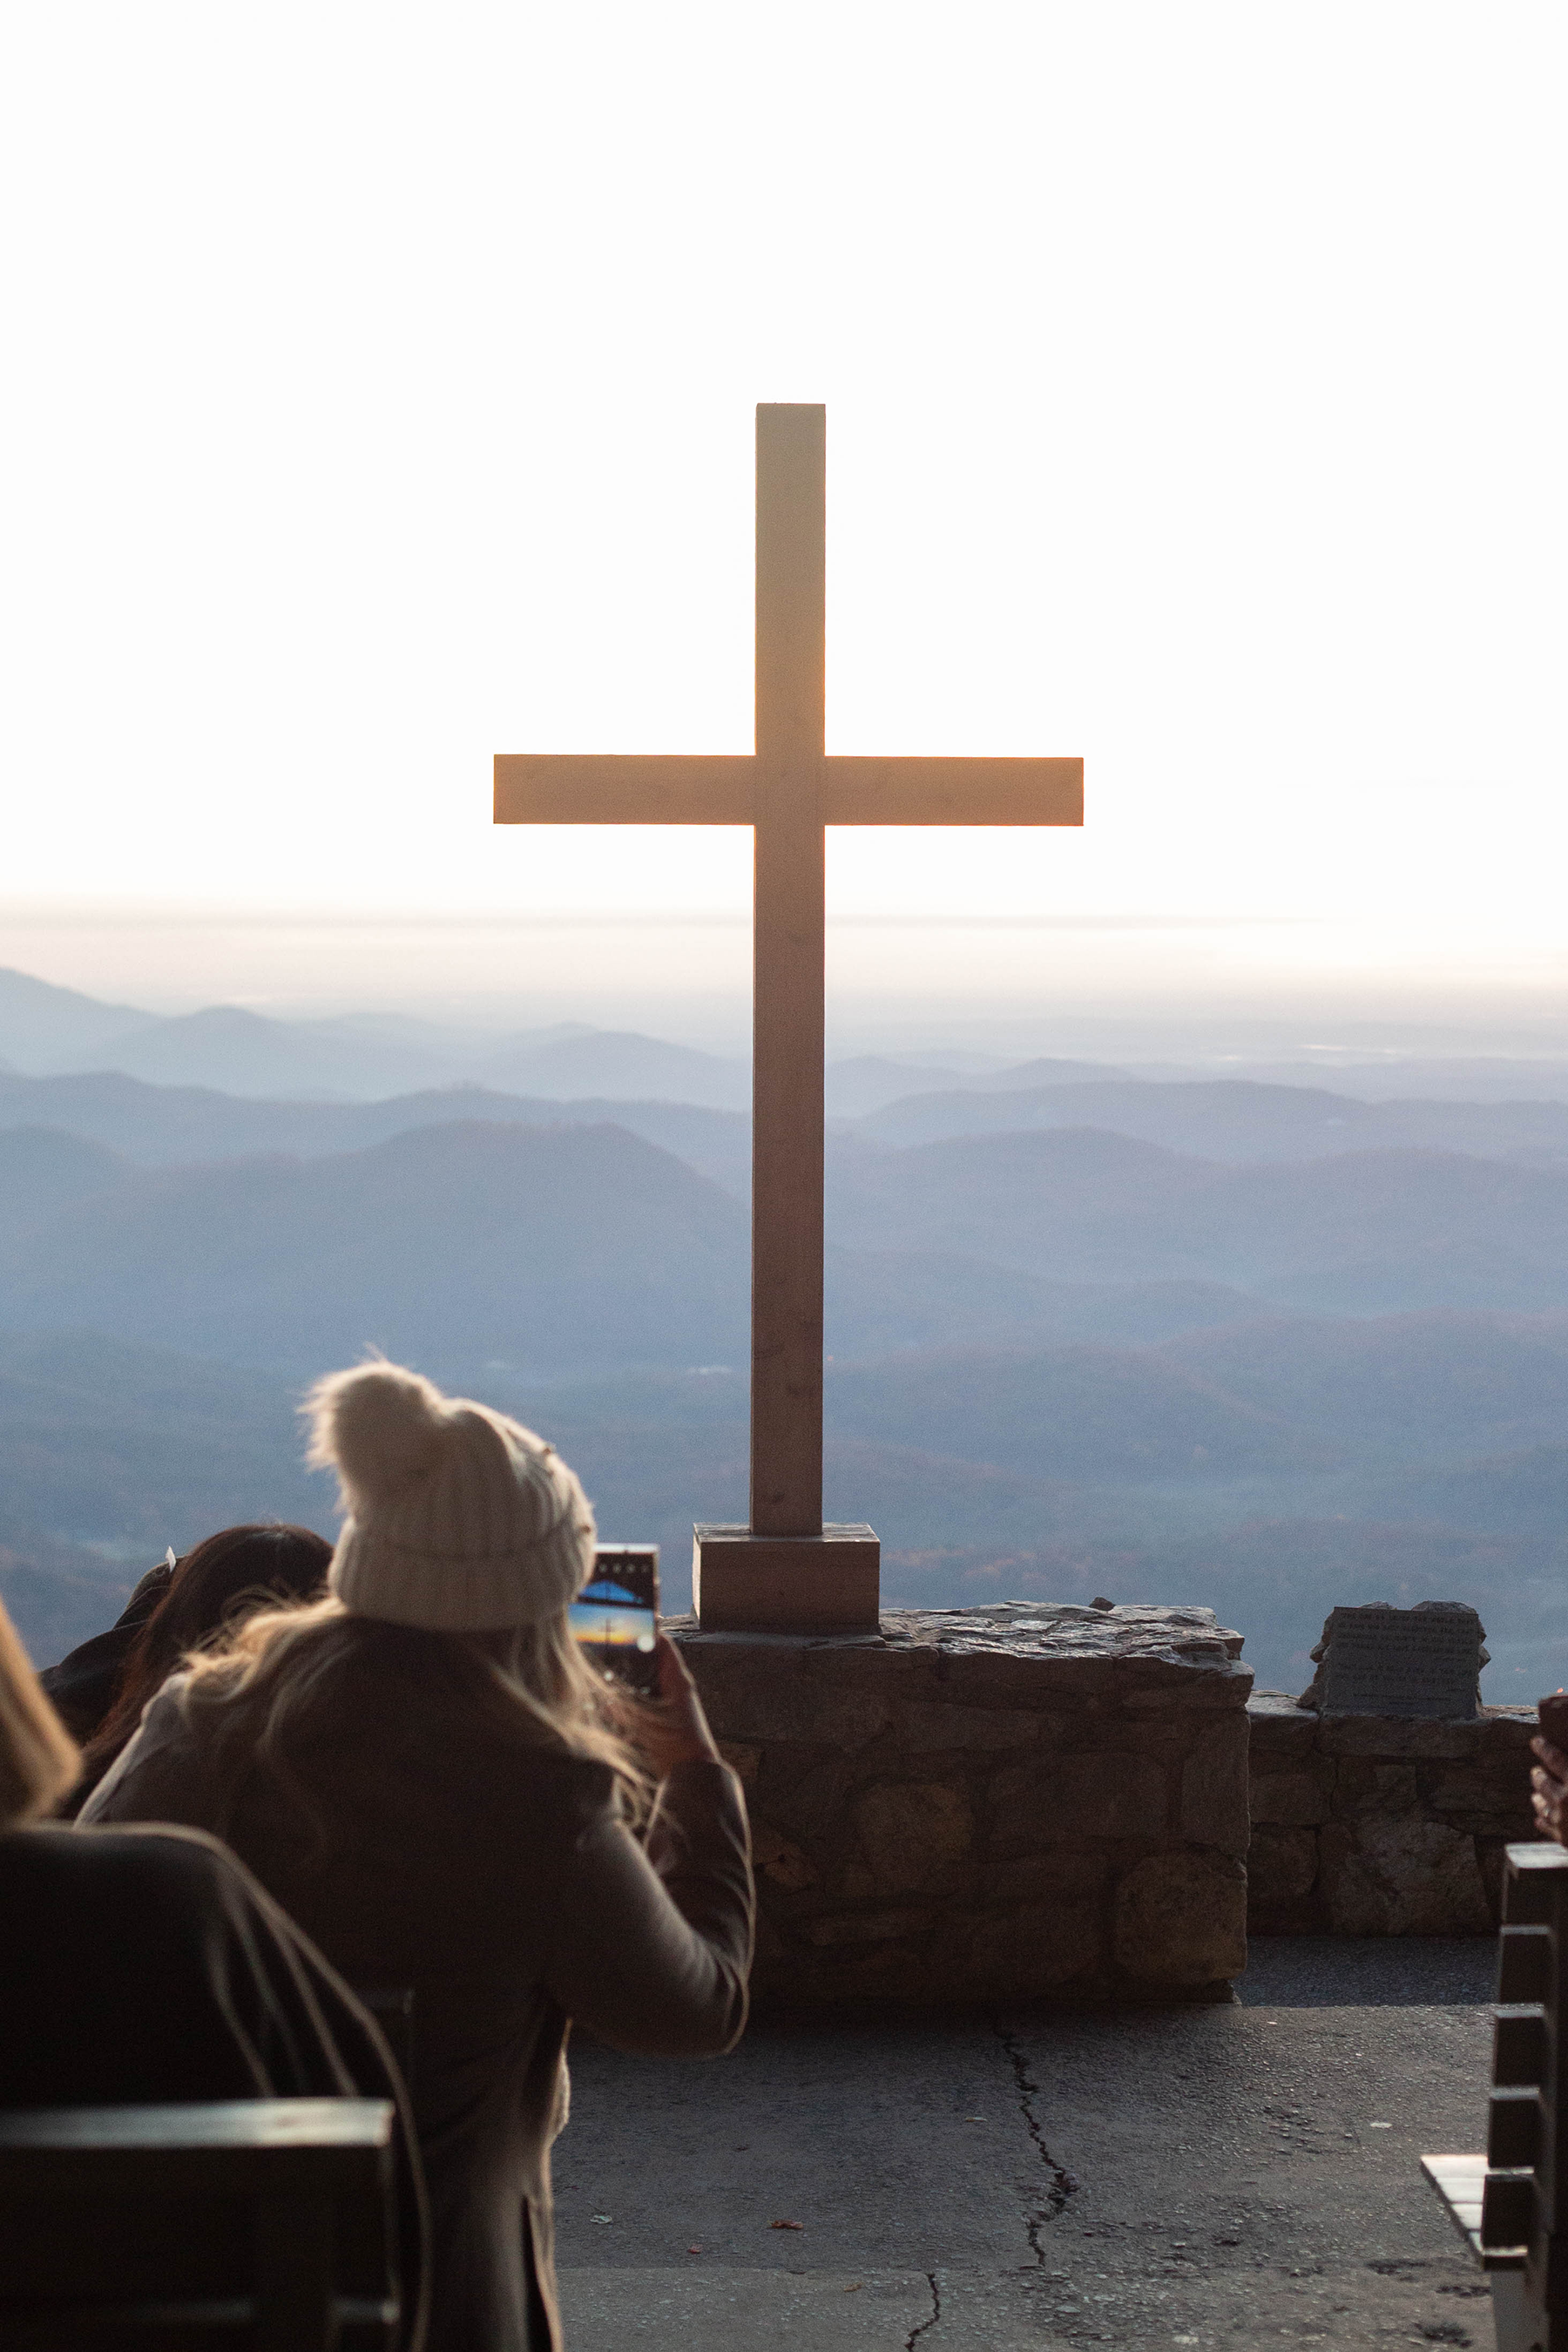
786	1571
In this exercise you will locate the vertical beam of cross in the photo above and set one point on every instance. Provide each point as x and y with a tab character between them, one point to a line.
789	938
785	1570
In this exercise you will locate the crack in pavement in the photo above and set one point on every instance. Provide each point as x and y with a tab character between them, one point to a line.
1062	2182
914	2333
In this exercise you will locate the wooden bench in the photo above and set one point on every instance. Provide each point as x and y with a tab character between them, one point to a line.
268	2224
1511	2204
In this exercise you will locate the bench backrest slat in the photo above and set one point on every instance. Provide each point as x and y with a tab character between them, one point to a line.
265	2222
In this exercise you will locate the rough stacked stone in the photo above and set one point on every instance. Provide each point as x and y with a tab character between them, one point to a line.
996	1804
1368	1825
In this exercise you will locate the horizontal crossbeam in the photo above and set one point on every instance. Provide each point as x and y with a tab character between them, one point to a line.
953	791
546	788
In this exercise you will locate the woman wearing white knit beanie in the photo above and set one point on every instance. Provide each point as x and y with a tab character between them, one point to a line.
461	1521
425	1773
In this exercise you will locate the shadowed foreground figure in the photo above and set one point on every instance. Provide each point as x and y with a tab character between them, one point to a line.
81	1689
101	1688
428	1775
143	1966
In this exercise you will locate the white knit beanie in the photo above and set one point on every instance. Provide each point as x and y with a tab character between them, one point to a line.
459	1519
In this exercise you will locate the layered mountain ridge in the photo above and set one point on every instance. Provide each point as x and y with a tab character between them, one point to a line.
1264	1345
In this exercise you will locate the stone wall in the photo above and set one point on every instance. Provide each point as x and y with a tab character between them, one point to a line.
1006	1802
1364	1825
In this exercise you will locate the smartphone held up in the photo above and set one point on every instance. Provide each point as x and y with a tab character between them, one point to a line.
616	1617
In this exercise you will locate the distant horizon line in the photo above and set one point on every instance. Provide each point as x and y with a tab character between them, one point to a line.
151	914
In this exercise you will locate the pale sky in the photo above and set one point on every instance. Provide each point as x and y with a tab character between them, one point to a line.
380	395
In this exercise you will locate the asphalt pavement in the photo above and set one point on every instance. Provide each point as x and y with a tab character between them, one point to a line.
1207	2176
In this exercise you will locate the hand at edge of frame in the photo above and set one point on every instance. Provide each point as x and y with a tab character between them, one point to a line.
1549	1782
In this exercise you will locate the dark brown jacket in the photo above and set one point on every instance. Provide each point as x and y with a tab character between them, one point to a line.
496	1879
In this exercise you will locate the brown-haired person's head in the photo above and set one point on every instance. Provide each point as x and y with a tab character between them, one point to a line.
38	1755
213	1587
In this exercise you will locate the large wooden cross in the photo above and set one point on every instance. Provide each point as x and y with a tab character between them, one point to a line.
786	1571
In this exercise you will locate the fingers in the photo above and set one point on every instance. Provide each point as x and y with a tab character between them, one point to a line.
685	1733
1549	1799
674	1675
1548	1786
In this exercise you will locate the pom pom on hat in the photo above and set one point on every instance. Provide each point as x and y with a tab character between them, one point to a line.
460	1519
378	1426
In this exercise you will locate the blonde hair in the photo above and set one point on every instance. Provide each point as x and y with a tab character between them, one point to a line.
38	1755
277	1671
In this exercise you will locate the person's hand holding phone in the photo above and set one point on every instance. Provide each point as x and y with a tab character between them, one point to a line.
675	1730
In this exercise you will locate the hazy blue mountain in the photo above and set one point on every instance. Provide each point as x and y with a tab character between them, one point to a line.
1412	1385
1028	1201
1524	1493
359	1056
1046	1071
105	1439
615	1063
1520	1130
1232	1119
546	1246
176	1126
1368	1233
1258	1343
42	1170
1378	1232
124	1446
1080	1413
1476	1078
159	1125
531	1234
869	1081
110	1451
247	1054
866	1081
456	1044
1218	1120
42	1027
168	1126
880	1300
57	1594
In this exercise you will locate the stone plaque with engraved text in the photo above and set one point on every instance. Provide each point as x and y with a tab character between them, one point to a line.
1422	1662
